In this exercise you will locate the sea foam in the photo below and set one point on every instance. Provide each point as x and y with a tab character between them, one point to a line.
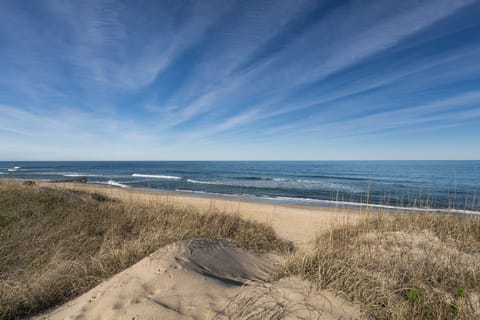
155	176
73	175
116	184
201	182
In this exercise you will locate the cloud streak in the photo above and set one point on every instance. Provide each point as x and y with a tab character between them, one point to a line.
172	75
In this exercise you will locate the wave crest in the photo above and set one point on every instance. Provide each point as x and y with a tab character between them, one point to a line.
201	182
115	183
156	176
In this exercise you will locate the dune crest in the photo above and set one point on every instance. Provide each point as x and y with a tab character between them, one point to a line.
202	279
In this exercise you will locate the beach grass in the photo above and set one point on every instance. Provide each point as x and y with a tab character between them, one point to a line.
399	266
56	244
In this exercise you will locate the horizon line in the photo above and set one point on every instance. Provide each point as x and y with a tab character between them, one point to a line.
233	160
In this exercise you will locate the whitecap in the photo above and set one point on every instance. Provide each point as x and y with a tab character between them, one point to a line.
201	182
114	183
155	176
194	191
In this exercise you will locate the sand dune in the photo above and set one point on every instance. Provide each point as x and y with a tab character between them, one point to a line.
203	279
209	278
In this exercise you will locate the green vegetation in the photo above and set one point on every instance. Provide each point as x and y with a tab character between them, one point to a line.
56	244
400	266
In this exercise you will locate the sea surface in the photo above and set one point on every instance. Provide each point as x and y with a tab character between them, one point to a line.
442	185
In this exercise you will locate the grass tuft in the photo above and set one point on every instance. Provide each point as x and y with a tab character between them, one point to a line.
400	266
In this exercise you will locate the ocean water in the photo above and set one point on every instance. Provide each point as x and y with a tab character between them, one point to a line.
444	185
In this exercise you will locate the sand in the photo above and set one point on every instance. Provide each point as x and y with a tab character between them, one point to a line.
297	223
210	278
203	279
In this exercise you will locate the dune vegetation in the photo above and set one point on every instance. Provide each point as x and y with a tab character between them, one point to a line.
56	244
399	266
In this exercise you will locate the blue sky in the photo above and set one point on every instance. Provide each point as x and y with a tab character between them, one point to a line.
227	79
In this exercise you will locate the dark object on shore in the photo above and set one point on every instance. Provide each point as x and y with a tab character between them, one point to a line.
75	179
28	183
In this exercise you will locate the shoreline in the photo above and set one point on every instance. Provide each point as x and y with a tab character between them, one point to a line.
310	202
297	223
294	222
276	200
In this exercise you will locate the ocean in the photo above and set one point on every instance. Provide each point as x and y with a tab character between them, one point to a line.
440	185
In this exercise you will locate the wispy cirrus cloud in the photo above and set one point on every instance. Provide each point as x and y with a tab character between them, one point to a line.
449	68
356	37
167	74
109	44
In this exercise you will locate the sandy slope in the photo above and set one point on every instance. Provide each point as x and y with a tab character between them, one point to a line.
209	279
203	279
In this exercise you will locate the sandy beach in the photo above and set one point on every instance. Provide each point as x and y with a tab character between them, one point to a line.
297	223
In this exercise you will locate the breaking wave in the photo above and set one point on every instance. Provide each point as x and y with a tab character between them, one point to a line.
111	183
202	182
155	176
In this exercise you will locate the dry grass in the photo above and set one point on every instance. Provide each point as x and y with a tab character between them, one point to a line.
56	244
258	304
400	266
267	301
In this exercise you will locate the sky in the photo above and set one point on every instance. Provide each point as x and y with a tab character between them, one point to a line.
239	80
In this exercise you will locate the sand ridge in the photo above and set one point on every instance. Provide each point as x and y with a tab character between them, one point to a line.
202	279
211	278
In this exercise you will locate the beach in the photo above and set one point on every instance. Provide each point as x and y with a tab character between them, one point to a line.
297	223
